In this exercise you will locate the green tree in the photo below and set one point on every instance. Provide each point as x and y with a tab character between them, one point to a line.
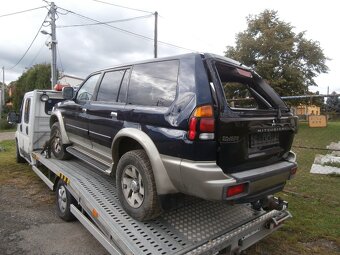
287	61
37	77
333	103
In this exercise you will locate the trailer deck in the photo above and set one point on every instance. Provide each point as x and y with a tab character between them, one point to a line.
193	226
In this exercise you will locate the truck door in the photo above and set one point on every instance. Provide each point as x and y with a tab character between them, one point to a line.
24	127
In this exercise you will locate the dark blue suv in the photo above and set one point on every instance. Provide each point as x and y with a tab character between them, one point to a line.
197	124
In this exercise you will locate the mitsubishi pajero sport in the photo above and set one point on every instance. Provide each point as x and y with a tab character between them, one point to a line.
198	124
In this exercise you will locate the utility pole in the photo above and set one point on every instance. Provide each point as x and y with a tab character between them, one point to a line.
53	46
3	87
2	98
155	35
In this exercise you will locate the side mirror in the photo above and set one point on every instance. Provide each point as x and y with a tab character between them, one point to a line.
13	118
68	93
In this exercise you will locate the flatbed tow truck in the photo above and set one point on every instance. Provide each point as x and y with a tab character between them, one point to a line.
190	226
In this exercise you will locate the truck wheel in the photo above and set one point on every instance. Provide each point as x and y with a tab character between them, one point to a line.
57	147
136	186
64	201
18	157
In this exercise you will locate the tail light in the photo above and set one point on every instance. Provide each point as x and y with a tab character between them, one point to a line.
235	190
202	123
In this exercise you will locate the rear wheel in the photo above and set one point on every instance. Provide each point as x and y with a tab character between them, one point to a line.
136	186
64	201
19	159
57	147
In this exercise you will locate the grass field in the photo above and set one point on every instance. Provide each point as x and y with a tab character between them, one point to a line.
314	200
20	176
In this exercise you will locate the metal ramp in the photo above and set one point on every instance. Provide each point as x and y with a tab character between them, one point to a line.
195	226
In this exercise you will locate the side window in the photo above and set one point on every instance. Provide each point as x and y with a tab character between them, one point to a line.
153	84
27	110
124	87
109	87
86	91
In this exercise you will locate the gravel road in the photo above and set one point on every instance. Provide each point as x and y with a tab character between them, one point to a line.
29	225
7	136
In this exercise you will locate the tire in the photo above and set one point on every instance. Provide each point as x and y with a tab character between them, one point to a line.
63	201
57	147
18	157
136	186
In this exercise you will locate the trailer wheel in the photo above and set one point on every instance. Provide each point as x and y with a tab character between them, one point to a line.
136	186
18	157
57	147
64	201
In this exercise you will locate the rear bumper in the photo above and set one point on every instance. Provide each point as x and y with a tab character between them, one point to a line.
207	180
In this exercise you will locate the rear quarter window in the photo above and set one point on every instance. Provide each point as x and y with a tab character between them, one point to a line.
154	84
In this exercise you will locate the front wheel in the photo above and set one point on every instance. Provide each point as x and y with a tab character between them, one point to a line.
64	201
57	147
136	186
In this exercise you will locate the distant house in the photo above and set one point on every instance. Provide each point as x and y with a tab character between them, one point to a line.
10	91
307	110
70	80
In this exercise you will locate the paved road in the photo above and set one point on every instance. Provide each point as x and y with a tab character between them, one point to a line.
6	136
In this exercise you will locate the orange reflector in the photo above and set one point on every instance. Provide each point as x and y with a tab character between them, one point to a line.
235	190
204	111
95	213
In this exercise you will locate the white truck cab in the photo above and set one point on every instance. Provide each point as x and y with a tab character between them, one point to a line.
33	128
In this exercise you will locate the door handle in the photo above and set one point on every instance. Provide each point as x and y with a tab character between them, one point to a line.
26	130
114	114
84	110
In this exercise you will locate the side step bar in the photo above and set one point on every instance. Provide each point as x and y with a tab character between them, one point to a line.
91	161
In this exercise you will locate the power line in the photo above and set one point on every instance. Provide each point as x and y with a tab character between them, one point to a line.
176	46
38	53
108	25
127	32
13	13
30	45
106	22
125	7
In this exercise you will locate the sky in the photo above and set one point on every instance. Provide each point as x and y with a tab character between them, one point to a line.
202	26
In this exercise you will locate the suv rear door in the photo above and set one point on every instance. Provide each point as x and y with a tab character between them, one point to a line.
105	111
255	128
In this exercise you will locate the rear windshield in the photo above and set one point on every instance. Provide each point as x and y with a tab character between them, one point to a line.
244	90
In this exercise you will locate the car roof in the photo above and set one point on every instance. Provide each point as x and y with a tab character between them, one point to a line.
181	56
